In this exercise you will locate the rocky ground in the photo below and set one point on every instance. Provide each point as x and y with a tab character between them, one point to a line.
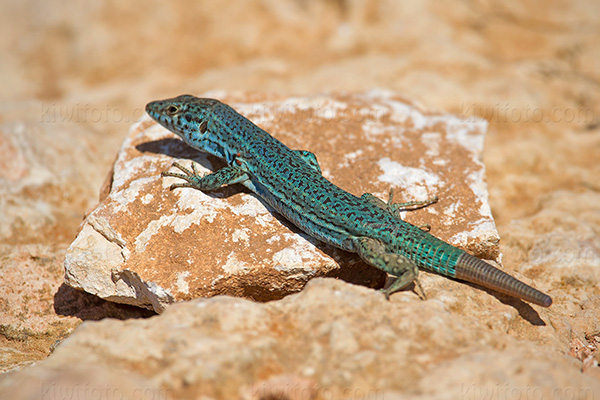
75	78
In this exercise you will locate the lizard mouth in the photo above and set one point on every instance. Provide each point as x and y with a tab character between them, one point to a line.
157	110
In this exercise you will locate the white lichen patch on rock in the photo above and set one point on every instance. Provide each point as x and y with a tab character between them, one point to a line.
417	183
241	235
181	282
234	266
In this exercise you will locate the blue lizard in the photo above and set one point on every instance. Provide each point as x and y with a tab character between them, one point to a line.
291	182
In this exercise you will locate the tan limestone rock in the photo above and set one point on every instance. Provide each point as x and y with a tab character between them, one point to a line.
332	340
148	246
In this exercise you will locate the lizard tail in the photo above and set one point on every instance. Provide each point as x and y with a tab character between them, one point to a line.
474	270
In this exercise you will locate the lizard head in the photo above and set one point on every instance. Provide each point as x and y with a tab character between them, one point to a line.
186	116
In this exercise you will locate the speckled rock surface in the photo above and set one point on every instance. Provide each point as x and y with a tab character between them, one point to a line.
146	246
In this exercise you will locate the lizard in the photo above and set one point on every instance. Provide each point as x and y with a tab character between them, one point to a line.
291	182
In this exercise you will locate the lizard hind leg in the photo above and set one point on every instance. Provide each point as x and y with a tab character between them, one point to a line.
373	252
395	208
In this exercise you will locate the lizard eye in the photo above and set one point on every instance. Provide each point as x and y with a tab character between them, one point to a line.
172	109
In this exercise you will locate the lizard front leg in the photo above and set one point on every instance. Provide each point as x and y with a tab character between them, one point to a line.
310	159
225	176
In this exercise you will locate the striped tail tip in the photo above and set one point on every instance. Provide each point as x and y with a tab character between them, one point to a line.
472	269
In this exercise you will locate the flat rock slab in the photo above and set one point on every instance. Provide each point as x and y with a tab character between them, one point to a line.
149	246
